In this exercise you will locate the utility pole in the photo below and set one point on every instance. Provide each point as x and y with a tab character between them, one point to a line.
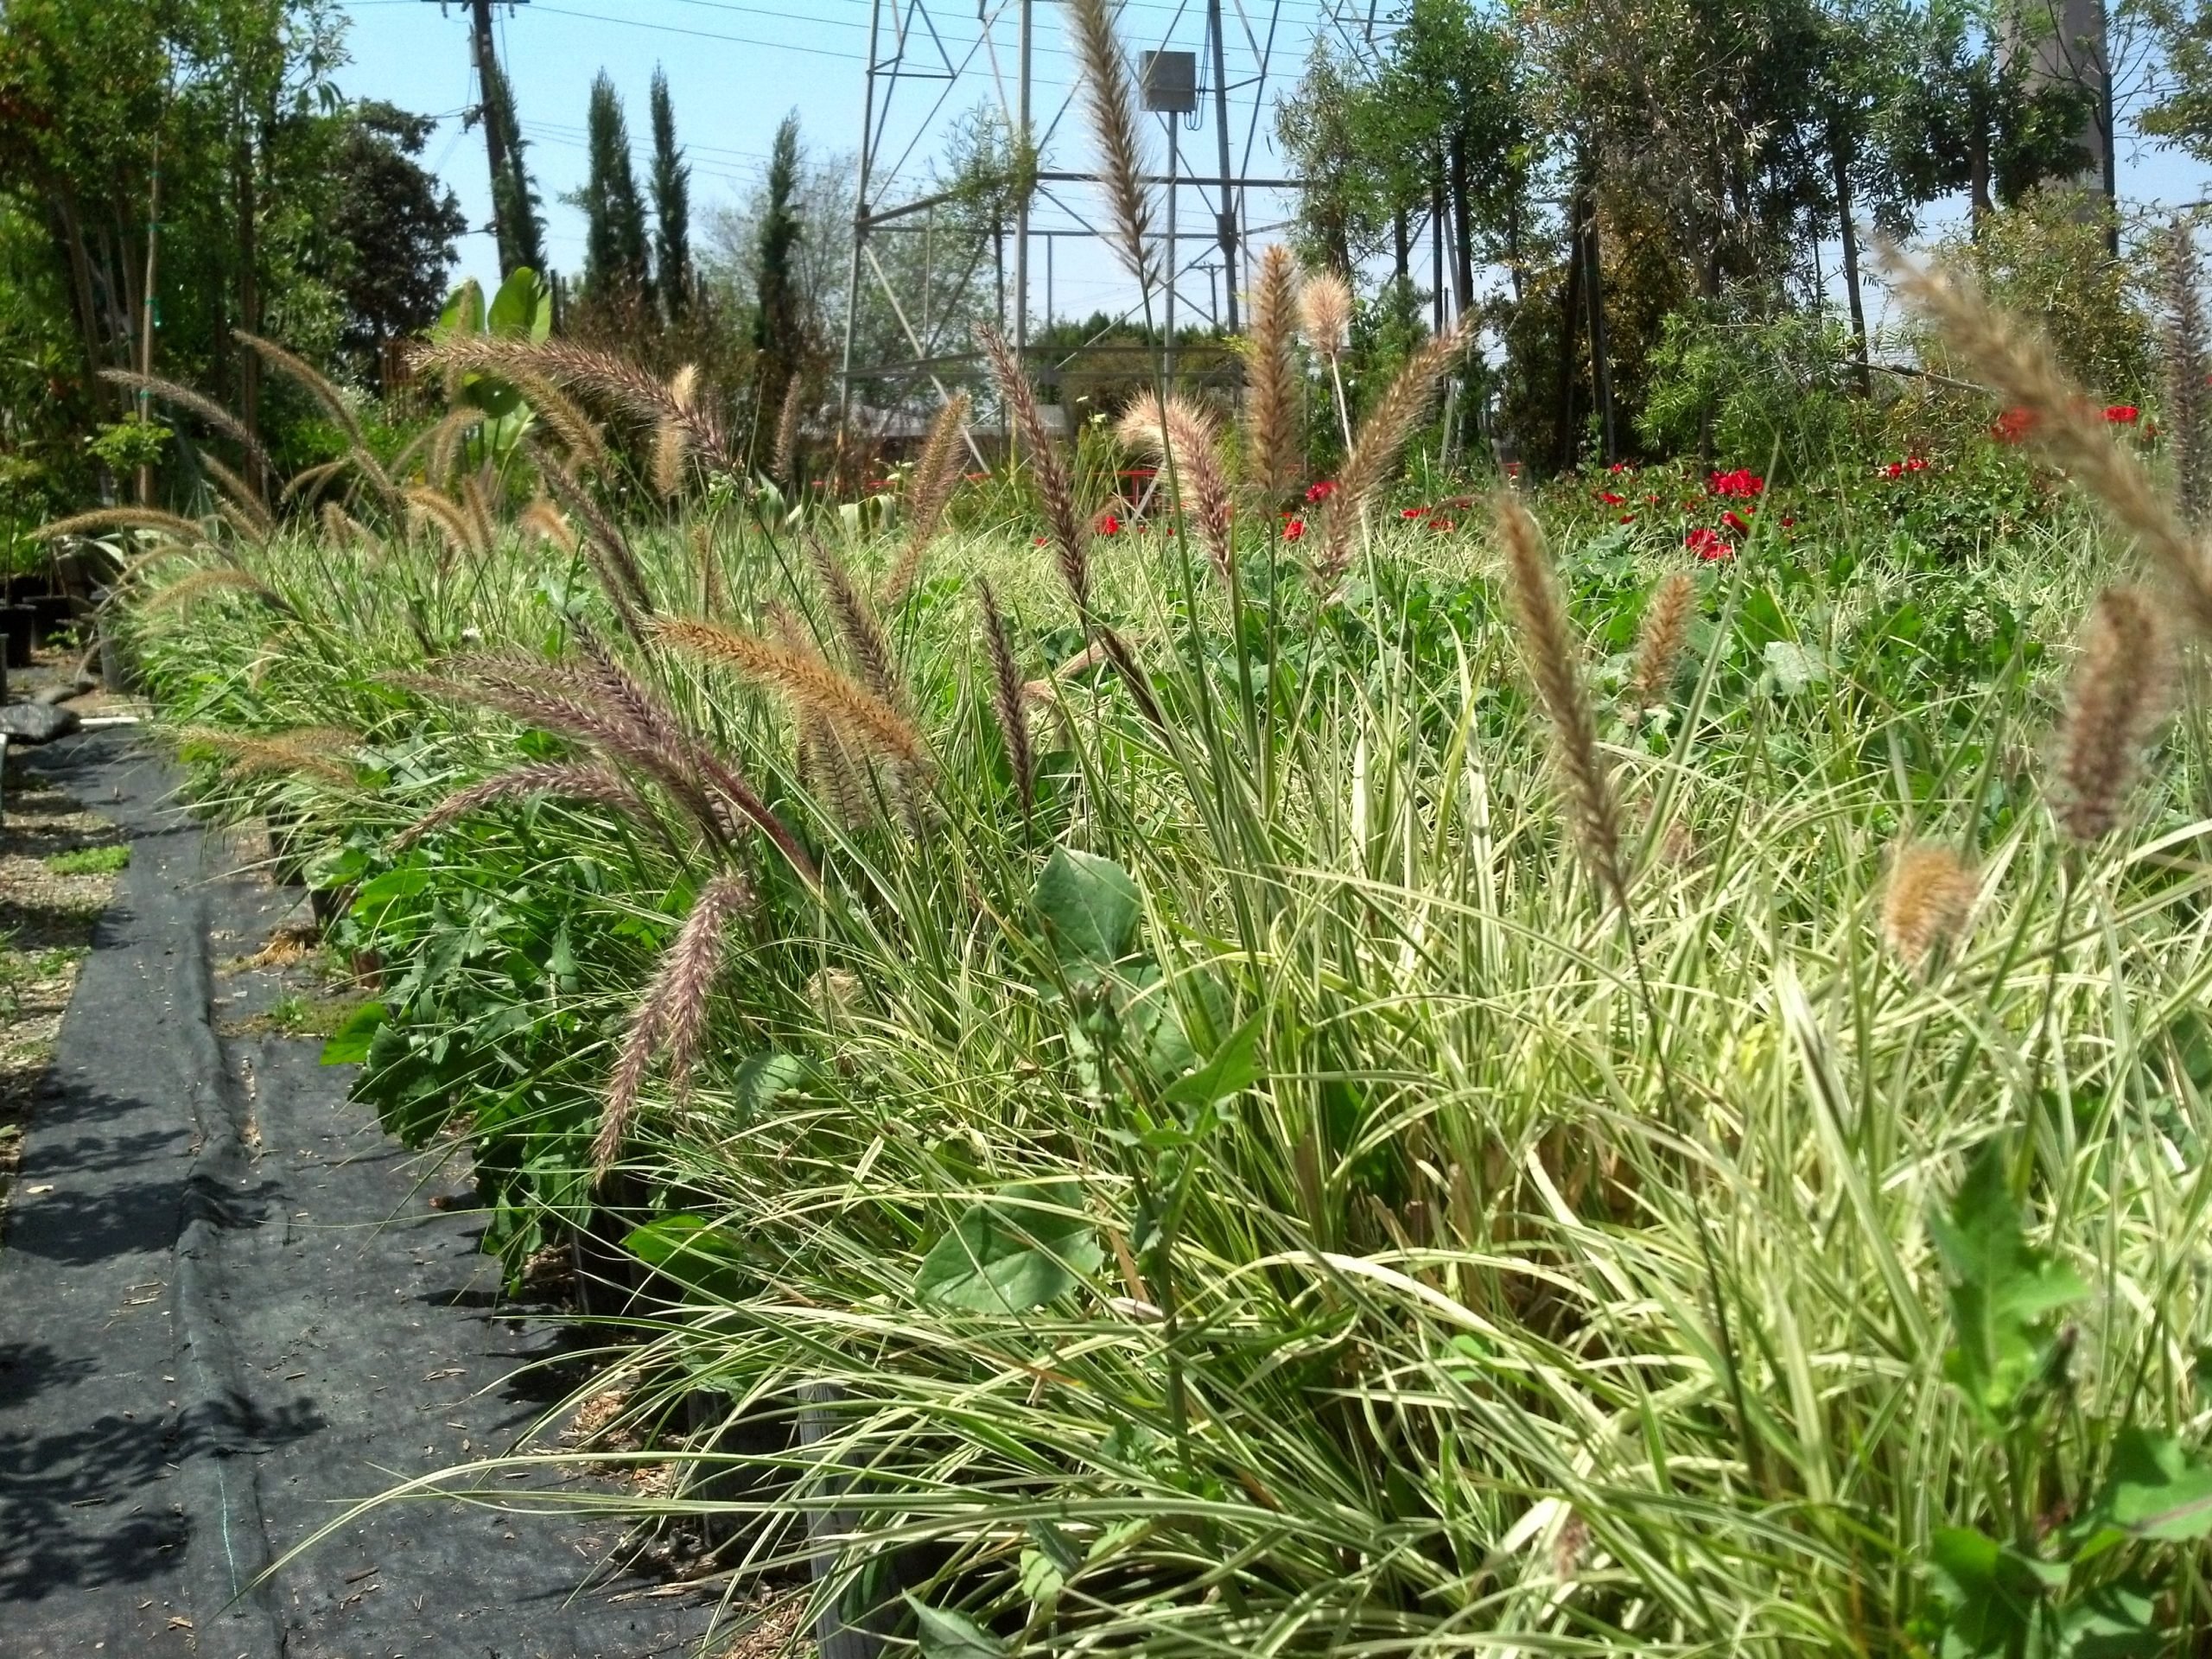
1226	221
482	55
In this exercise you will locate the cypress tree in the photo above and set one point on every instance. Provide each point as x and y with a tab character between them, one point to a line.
777	325
515	198
616	259
672	190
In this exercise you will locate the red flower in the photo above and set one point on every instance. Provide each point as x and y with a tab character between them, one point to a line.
1109	524
1041	541
1735	522
1294	531
1618	468
1628	517
974	477
1789	524
1319	491
1413	512
1612	501
1708	545
2122	414
1512	469
1743	483
1895	469
1915	463
2013	425
1439	523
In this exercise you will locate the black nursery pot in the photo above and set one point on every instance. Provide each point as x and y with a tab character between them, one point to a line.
21	622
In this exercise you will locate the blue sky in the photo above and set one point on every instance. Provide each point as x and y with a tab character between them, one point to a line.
736	67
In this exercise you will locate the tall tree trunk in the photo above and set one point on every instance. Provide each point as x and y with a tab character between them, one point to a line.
69	232
1436	248
248	210
1569	329
1840	158
1401	246
1463	241
146	312
1593	290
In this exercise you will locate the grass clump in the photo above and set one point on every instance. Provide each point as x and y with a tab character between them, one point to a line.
90	861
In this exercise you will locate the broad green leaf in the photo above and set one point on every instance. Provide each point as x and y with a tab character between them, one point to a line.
1989	1592
1235	1067
2004	1292
1089	908
521	310
1794	666
695	1253
349	1043
463	311
953	1635
2157	1491
765	1078
1028	1245
2115	1622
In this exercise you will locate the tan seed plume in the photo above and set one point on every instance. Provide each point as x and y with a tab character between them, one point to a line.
1114	127
312	751
1070	535
588	781
785	460
1007	701
929	492
1325	307
811	686
1927	902
206	408
1662	640
2018	367
221	578
2187	351
1182	435
857	625
1552	655
1374	454
672	447
2121	688
1274	462
90	524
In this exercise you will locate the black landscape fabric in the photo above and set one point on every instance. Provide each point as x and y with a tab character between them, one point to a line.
228	1308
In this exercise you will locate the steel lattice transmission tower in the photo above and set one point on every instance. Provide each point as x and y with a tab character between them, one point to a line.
1210	65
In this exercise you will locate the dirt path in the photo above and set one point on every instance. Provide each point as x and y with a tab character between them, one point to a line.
227	1305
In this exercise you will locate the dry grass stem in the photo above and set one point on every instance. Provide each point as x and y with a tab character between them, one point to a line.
2121	688
1552	655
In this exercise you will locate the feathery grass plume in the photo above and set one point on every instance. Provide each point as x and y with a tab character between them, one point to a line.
1273	465
827	768
2188	362
2121	688
929	492
241	495
480	512
1325	307
1182	435
206	408
314	750
241	522
1114	126
856	623
784	457
671	448
1116	651
683	386
443	451
711	598
307	483
146	561
1927	902
601	374
587	781
627	1081
1552	655
1375	452
220	578
341	526
432	506
1661	638
563	415
808	682
153	519
542	519
333	401
610	552
1070	535
2020	368
1007	700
